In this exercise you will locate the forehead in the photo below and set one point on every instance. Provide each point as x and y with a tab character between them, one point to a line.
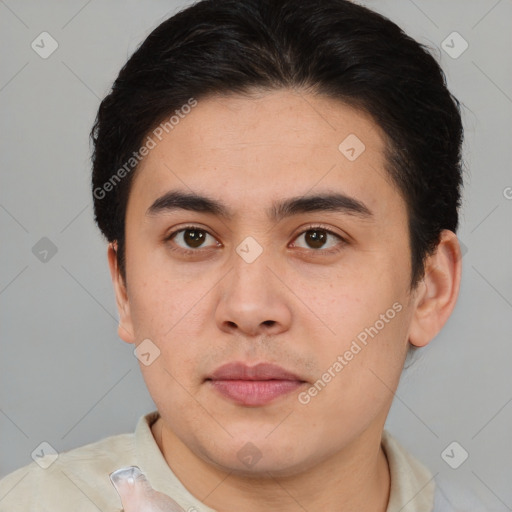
252	149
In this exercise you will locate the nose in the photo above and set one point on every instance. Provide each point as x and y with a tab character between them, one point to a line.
253	301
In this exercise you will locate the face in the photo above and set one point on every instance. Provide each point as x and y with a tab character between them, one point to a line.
254	240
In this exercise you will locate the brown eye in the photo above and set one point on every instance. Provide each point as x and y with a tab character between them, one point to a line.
315	238
192	238
318	238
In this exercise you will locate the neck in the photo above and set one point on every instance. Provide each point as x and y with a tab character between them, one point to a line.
356	478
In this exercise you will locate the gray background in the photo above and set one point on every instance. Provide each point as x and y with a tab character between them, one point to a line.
67	379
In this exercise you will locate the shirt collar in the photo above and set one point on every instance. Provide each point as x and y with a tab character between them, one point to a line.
412	484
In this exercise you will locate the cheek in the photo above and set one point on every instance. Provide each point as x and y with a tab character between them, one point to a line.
344	303
162	301
171	311
361	372
361	354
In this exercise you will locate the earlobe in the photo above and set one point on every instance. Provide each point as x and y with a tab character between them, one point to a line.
437	293
125	328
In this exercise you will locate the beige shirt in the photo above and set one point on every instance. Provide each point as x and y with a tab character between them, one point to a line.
78	480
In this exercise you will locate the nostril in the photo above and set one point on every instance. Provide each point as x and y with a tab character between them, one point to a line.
269	323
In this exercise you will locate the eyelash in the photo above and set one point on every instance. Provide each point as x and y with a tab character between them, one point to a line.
311	227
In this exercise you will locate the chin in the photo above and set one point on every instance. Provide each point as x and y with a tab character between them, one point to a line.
261	459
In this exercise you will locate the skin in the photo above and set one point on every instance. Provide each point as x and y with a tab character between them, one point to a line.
293	306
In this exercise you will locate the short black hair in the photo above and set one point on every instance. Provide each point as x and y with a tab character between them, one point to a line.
334	48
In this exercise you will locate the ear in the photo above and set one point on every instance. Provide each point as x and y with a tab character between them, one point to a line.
125	328
437	293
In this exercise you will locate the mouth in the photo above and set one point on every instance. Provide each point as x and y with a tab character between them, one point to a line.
253	385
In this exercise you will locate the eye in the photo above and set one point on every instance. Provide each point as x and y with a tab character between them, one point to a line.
192	237
319	238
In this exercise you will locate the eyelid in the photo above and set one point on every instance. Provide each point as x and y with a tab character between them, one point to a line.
302	230
344	239
176	230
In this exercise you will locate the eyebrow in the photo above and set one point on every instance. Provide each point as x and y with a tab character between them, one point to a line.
327	202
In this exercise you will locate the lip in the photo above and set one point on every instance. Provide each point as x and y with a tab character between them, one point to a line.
253	385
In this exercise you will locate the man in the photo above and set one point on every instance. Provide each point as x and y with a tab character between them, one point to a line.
279	184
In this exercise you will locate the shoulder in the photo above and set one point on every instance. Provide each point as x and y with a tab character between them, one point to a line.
412	487
73	480
452	496
436	493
